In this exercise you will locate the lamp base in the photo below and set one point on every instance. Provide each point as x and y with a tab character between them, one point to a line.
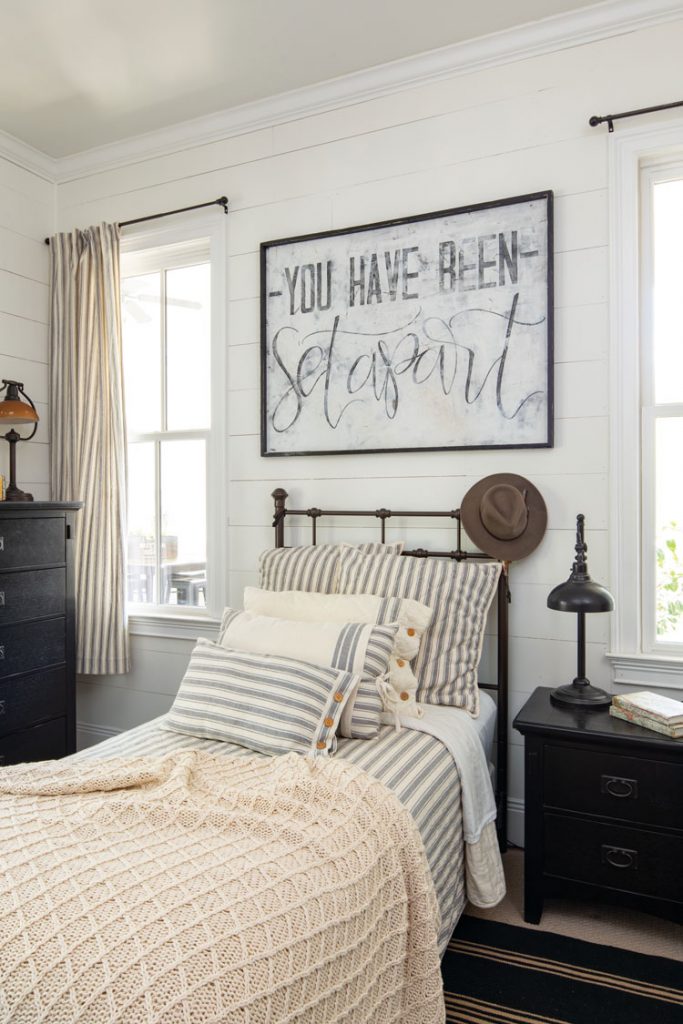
14	494
580	694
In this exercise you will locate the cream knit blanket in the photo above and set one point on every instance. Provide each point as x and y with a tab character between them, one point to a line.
191	888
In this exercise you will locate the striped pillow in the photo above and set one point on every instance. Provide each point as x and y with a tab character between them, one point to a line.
268	704
459	594
313	567
361	648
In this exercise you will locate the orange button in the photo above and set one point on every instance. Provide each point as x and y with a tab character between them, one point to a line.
339	697
400	662
329	722
321	744
411	631
404	695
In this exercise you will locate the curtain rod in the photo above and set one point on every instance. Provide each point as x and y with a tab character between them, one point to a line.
611	118
221	201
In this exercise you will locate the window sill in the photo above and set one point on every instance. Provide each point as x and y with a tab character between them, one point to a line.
180	627
664	672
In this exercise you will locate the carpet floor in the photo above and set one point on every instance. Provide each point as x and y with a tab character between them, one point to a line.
584	919
500	974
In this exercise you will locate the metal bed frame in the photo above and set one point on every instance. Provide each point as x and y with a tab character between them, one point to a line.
500	687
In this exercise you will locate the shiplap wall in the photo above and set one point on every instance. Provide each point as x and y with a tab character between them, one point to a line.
482	136
27	211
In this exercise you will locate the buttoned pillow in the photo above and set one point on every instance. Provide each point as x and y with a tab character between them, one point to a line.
357	647
268	704
412	616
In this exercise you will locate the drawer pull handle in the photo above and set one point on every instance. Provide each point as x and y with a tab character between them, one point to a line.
2	543
2	652
622	789
619	857
2	707
2	598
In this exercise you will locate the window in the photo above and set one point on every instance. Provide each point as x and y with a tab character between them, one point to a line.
662	408
646	406
170	352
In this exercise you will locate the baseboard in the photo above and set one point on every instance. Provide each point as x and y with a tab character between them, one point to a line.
87	734
516	822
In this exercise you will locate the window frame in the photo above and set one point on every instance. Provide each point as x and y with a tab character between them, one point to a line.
634	156
192	233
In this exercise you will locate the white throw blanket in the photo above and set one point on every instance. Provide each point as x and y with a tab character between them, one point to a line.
485	879
193	888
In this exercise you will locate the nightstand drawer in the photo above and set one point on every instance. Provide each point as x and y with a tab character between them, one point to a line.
41	743
613	785
32	594
30	542
32	645
29	699
614	856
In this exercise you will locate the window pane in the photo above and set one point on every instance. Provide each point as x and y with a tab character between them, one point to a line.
669	540
141	329
188	347
183	518
668	273
141	523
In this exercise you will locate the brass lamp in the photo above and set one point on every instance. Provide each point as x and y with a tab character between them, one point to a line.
15	412
580	594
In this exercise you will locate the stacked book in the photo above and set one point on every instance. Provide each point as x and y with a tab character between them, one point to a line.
662	714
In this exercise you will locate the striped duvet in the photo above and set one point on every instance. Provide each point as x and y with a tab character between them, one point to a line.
416	766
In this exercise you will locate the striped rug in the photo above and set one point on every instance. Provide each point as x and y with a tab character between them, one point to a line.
498	974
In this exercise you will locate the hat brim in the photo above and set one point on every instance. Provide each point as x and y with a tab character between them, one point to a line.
507	550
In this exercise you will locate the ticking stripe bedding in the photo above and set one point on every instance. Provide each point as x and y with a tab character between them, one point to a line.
417	767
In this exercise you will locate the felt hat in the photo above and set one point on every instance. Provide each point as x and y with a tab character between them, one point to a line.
504	515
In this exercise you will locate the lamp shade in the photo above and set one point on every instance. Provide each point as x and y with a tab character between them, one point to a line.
580	595
12	409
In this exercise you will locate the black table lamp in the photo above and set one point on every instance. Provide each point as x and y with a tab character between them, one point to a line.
14	411
580	594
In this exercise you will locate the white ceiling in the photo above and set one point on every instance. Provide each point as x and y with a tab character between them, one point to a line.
81	73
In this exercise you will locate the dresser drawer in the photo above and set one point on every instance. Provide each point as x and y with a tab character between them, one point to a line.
32	541
32	594
32	645
615	856
614	785
41	743
26	700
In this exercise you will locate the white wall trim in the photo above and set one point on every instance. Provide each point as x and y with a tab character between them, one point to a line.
559	32
628	150
28	158
88	734
516	821
647	670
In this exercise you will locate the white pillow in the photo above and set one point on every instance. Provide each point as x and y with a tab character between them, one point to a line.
359	648
412	616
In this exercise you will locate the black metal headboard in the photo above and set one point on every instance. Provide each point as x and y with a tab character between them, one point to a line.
459	555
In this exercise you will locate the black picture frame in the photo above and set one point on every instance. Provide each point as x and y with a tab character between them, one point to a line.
545	289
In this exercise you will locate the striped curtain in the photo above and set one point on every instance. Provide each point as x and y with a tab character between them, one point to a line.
88	449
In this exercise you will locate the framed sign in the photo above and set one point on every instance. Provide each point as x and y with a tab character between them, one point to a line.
427	333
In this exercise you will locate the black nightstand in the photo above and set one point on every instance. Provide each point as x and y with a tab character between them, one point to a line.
603	810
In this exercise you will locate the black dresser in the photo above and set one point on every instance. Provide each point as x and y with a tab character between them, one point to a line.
37	631
603	810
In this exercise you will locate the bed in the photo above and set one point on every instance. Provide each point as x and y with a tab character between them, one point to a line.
85	946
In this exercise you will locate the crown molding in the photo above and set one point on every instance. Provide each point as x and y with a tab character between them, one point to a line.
28	158
560	32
